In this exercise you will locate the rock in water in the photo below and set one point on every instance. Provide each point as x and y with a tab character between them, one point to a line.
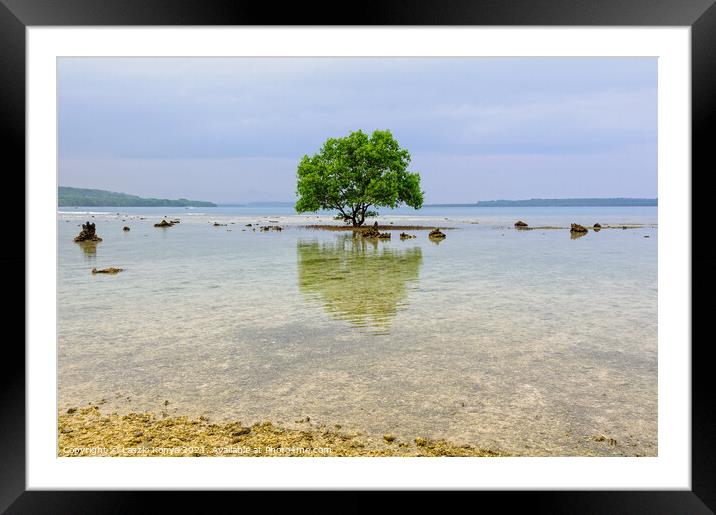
520	223
406	236
164	223
110	270
597	226
87	233
125	228
372	232
578	228
436	234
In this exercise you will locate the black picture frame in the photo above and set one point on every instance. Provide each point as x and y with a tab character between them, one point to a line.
700	15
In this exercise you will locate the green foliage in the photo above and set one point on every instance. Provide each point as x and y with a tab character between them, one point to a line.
354	173
87	197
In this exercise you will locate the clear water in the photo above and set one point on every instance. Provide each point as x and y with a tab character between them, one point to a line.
528	342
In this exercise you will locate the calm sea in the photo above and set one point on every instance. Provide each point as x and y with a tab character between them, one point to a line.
529	342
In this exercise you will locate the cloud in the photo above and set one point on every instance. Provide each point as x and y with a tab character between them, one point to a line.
221	109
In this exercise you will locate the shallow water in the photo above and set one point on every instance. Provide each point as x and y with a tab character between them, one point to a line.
528	342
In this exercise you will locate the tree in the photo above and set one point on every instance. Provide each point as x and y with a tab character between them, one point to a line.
354	173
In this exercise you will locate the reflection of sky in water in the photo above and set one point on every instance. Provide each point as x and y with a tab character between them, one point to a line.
526	341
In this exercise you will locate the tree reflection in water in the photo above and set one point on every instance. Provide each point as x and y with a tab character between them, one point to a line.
359	280
89	249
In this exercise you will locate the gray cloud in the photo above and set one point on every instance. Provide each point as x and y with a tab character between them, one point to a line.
239	121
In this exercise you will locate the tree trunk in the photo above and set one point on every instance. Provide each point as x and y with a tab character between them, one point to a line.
358	215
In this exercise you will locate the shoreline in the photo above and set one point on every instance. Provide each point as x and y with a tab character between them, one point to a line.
90	432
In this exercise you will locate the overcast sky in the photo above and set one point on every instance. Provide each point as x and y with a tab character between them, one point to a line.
234	129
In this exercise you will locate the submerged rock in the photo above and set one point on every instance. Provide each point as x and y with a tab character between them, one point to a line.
578	228
520	223
217	224
436	234
164	223
125	228
267	228
87	233
110	270
406	236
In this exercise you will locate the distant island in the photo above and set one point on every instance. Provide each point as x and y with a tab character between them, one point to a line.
68	196
558	202
269	203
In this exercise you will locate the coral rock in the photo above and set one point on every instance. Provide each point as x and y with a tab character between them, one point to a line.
87	233
436	234
110	270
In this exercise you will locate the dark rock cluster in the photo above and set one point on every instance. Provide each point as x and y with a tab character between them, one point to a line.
436	234
87	233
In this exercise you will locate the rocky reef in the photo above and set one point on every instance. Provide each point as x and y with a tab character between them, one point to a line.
86	431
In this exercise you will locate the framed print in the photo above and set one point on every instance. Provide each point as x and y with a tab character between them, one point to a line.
438	249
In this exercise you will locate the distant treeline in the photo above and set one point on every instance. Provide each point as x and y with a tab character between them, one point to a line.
68	196
558	202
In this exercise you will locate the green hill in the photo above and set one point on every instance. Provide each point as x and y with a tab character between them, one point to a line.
68	196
